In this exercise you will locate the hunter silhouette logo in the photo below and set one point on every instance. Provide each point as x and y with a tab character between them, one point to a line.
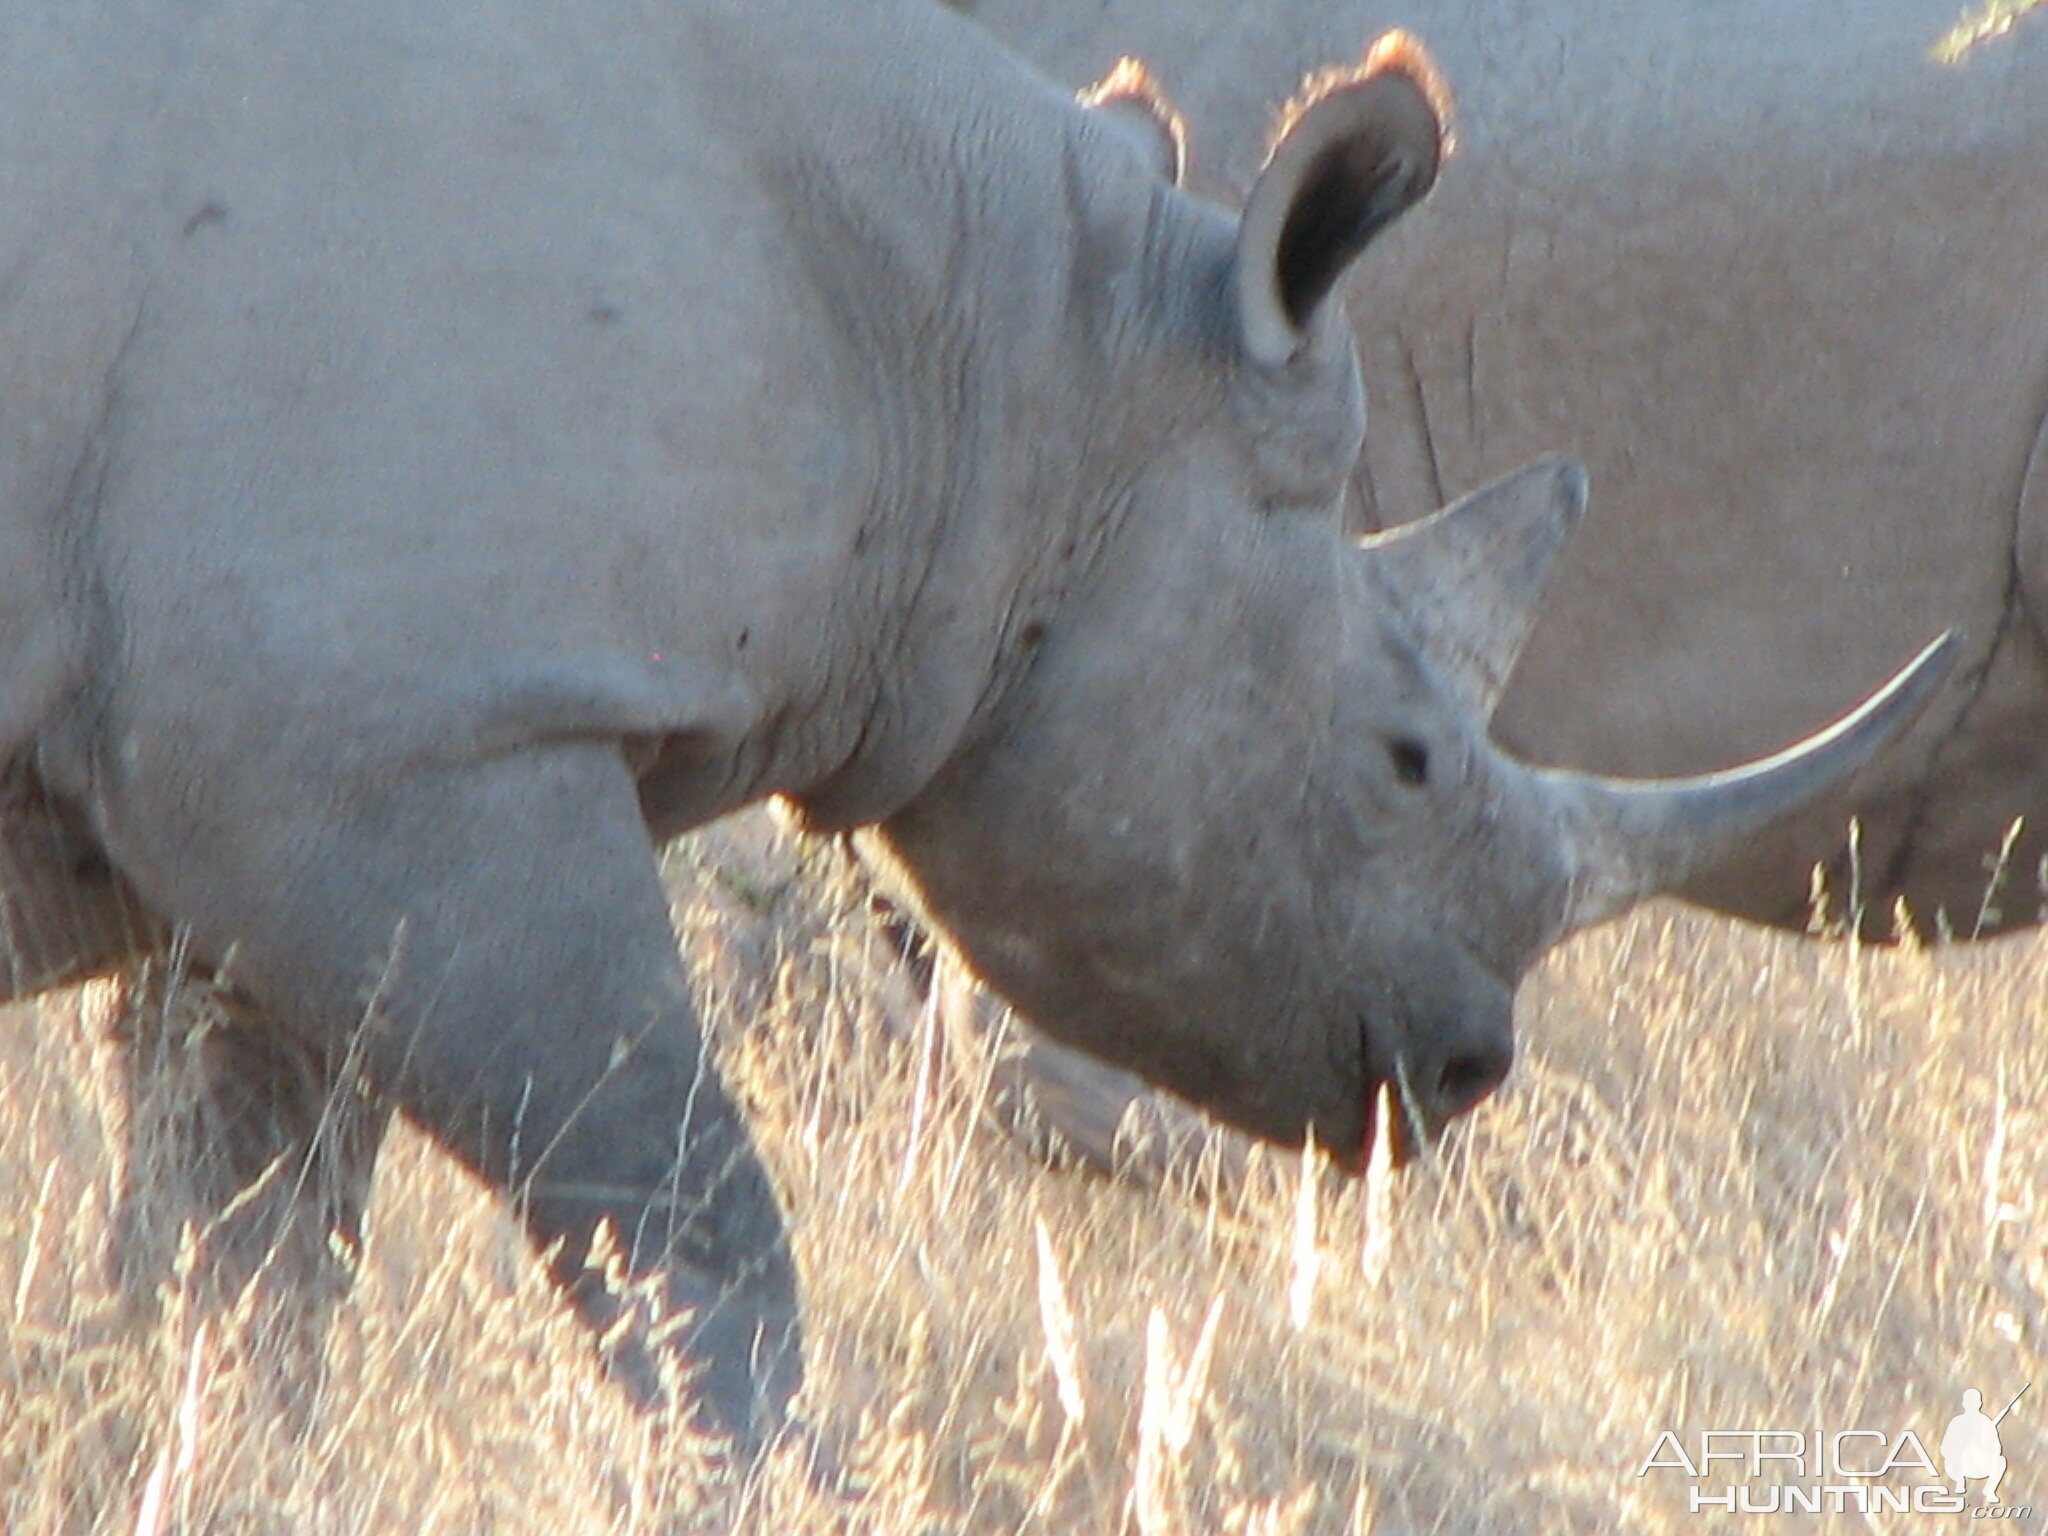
1971	1448
1868	1471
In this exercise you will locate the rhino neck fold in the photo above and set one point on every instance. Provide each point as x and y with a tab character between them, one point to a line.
984	351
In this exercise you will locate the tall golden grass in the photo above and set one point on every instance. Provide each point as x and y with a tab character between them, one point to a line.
1737	1181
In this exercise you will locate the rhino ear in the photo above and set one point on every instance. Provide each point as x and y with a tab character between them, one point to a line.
1355	148
1467	579
1131	97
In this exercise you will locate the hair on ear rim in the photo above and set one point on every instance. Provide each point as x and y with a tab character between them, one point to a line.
1131	83
1353	150
1395	52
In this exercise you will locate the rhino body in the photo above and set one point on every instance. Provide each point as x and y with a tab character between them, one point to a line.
1774	272
448	450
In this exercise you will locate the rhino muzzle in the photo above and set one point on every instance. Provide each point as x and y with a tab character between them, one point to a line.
1438	1074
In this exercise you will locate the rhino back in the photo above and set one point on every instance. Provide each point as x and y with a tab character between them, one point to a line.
525	369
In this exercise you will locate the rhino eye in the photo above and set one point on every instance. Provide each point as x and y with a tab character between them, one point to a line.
1410	759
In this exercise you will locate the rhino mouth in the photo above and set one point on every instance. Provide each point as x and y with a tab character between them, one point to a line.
1411	1100
1424	1061
1391	1115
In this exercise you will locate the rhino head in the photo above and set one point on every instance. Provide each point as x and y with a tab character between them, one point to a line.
1240	827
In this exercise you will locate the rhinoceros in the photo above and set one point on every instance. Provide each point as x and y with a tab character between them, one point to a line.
451	449
1774	270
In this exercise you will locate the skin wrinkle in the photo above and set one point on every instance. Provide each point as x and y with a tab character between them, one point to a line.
1064	569
1128	323
1362	515
891	643
907	460
924	460
1472	392
1412	377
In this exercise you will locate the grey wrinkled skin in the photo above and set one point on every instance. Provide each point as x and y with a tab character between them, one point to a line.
448	450
1773	271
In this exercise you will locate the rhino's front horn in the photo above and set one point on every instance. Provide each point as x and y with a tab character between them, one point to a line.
1468	579
1630	839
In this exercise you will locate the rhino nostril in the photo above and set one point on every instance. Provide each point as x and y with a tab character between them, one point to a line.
1470	1076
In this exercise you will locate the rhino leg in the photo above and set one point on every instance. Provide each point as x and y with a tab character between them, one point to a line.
260	1141
491	943
1060	1105
236	1129
1064	1106
65	914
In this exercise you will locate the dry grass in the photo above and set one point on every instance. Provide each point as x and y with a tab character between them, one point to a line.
1737	1182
